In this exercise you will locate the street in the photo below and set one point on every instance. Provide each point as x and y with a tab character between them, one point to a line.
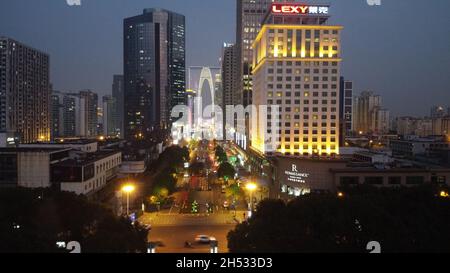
173	238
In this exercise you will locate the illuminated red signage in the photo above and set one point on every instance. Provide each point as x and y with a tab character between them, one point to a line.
293	9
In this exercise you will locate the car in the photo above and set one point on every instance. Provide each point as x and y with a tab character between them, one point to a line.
204	239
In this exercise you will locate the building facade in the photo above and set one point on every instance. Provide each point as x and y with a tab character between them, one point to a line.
297	67
345	109
369	115
118	95
25	93
110	117
154	70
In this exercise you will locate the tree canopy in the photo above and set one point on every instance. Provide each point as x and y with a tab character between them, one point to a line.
226	171
32	221
401	220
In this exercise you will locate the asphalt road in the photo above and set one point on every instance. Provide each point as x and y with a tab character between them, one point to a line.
174	238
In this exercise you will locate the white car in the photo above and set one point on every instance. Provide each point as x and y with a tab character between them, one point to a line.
204	239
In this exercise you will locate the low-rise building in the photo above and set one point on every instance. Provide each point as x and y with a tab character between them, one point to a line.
86	173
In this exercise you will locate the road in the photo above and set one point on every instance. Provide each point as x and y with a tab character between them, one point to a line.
174	238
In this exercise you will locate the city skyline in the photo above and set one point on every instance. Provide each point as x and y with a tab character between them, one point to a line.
73	63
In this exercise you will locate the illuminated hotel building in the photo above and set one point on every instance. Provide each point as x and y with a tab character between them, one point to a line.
296	65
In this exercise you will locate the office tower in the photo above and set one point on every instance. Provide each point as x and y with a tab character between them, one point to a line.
56	115
88	113
296	64
345	109
230	76
250	14
369	115
118	95
25	93
154	70
109	116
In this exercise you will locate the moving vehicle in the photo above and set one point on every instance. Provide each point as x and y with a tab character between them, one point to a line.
204	239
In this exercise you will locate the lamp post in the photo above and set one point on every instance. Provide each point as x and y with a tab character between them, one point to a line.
251	187
128	189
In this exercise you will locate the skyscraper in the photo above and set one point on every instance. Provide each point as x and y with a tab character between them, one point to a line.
296	66
89	113
24	91
118	95
230	76
250	14
345	108
369	115
154	69
109	116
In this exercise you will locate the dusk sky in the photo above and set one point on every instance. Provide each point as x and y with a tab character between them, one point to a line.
400	50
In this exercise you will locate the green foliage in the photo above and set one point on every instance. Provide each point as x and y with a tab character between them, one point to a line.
402	220
235	192
167	180
59	216
226	171
221	155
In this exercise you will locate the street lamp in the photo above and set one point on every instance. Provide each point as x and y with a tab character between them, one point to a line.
251	187
128	189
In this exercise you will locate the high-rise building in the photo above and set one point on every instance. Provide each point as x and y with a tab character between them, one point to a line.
154	69
296	66
118	95
438	112
109	116
345	109
421	127
74	114
89	113
25	93
369	115
230	77
250	15
56	116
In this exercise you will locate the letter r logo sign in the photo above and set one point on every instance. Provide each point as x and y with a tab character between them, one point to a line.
294	168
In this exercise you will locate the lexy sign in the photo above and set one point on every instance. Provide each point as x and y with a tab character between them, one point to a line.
298	9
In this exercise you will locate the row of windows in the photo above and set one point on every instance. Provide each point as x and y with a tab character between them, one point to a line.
298	94
305	102
300	63
298	71
307	32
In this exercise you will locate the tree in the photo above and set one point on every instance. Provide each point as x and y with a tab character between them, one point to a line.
226	171
235	192
197	168
167	179
32	221
402	220
221	155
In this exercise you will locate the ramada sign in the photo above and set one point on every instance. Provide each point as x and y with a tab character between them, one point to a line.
294	9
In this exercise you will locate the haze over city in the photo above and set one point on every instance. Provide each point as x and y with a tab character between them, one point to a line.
85	42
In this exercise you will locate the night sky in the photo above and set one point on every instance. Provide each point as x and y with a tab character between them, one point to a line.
400	49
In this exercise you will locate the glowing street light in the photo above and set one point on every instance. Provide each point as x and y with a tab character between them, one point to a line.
340	194
251	187
128	189
444	194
